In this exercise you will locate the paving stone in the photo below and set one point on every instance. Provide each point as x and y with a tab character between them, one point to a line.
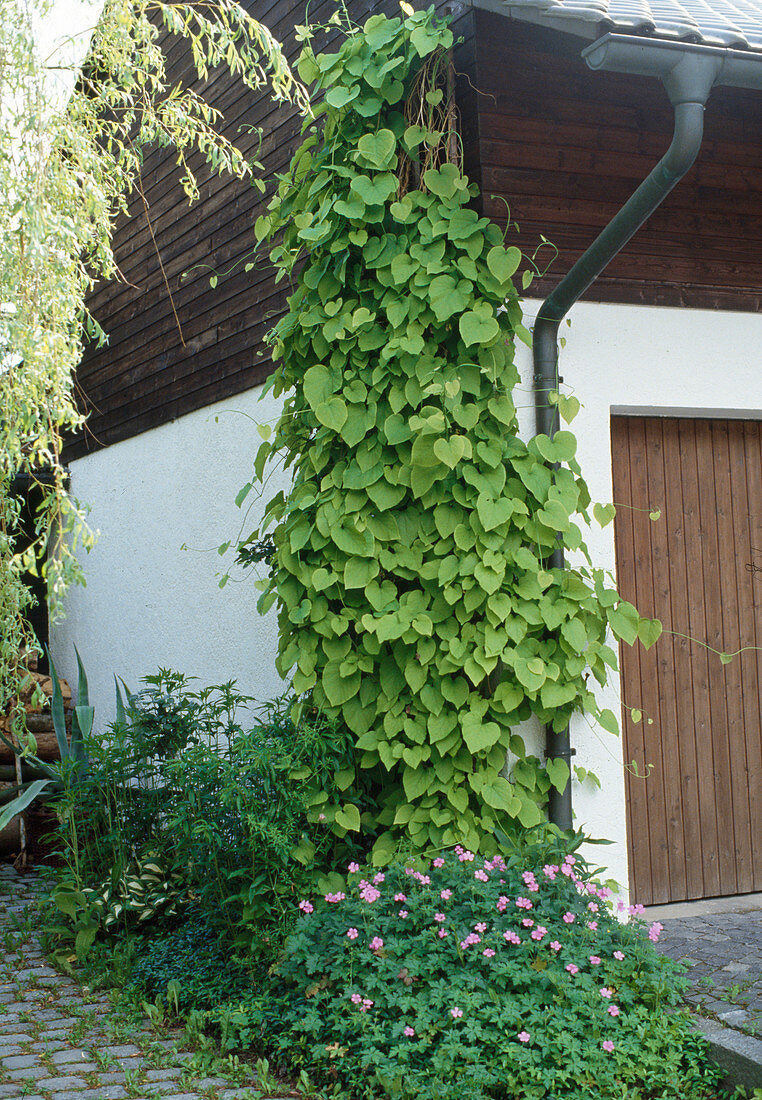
55	1084
21	1061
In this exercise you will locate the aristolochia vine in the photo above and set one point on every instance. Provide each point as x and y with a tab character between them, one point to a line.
410	562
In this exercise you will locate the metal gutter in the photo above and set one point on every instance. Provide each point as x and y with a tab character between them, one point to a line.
688	72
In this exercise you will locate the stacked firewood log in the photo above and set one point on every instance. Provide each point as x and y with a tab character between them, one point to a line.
23	835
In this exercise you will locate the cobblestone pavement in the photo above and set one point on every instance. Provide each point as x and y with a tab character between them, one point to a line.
56	1043
723	956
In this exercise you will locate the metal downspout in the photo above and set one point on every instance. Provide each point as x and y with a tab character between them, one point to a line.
686	141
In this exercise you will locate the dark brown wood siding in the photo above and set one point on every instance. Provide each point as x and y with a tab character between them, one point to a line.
148	375
565	147
694	778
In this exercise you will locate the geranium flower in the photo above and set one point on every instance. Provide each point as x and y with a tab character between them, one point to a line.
523	1036
456	1013
376	943
352	933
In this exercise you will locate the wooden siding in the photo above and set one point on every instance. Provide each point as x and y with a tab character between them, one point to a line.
695	822
565	147
562	146
146	376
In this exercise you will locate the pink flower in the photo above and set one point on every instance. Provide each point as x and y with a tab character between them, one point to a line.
502	903
592	907
570	860
569	918
489	952
356	999
619	955
527	922
655	931
438	862
403	913
370	893
613	1010
442	933
353	868
333	898
470	939
322	817
572	968
376	943
636	910
439	917
466	857
409	1031
446	895
352	933
511	937
456	1012
482	876
604	893
550	870
481	927
306	906
539	932
524	903
555	946
400	897
595	961
620	906
367	1003
607	1045
523	1036
378	878
605	992
592	925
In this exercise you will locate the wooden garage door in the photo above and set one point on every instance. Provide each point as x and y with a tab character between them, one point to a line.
694	809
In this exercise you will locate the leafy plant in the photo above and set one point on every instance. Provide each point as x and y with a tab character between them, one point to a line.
183	803
192	960
481	978
417	603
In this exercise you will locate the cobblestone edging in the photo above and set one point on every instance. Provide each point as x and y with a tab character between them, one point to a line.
57	1043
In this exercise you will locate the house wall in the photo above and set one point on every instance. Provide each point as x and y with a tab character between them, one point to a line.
176	343
149	602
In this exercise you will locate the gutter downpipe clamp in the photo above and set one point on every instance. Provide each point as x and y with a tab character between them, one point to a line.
688	73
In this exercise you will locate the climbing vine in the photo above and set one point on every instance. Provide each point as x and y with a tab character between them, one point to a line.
411	561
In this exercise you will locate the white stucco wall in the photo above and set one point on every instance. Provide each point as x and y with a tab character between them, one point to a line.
150	603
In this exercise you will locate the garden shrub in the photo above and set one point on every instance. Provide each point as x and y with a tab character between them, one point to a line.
499	978
190	964
219	813
410	560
